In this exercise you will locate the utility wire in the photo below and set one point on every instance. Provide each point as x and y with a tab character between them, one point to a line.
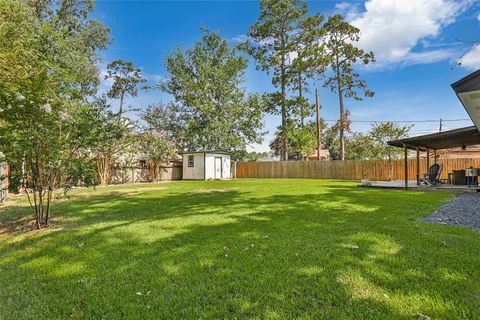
403	121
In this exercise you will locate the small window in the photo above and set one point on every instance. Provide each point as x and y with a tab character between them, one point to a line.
191	162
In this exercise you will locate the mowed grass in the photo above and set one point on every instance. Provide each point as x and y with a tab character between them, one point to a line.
241	249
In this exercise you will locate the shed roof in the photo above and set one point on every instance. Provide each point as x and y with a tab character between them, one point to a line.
207	151
442	140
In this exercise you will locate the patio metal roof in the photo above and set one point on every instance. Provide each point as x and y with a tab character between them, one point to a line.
442	140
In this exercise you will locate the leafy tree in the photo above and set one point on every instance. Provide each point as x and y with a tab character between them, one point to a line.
331	142
360	147
283	27
381	133
311	62
126	80
48	52
250	156
158	149
115	137
301	139
339	43
211	108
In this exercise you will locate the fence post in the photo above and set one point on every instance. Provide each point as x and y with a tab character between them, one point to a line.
405	151
418	166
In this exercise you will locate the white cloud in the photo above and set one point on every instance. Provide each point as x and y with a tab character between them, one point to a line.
478	17
347	9
240	38
471	60
393	28
430	56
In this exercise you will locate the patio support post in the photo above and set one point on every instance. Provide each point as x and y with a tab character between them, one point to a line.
428	158
406	165
434	155
418	166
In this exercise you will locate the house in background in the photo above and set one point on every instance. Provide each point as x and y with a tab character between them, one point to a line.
470	152
205	165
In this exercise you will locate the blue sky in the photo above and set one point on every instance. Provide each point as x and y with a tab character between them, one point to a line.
416	43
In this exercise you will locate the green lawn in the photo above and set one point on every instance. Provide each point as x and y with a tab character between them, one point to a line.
242	249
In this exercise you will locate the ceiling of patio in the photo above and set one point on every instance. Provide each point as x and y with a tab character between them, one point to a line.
442	140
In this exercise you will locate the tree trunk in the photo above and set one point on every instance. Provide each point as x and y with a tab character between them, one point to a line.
104	169
284	153
319	130
120	110
300	94
49	199
342	113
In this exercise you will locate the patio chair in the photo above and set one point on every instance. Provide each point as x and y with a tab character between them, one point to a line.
433	175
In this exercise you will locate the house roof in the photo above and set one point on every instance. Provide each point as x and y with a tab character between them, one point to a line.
442	140
207	151
469	83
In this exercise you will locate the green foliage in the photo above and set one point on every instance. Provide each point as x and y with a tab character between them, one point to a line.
339	44
158	149
302	140
126	80
48	52
331	142
240	249
370	146
282	28
249	156
211	108
360	147
381	133
115	139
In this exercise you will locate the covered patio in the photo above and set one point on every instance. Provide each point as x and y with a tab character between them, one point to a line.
468	92
430	144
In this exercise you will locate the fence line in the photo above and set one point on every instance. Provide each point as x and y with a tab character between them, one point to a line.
119	175
377	170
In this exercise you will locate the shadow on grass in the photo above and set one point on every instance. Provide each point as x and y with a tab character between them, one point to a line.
328	252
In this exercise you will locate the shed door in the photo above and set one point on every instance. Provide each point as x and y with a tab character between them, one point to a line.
218	168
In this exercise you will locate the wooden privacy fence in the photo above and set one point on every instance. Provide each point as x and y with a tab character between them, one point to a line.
377	170
172	171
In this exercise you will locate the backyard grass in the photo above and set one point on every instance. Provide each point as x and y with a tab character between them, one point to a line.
242	249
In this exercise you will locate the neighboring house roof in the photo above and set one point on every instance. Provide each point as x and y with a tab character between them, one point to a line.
207	151
323	152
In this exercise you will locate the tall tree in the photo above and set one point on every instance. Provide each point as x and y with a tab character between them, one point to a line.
302	141
158	149
48	51
282	28
381	133
339	41
126	81
211	109
360	147
115	137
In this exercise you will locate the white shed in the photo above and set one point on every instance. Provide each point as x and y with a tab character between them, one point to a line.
204	165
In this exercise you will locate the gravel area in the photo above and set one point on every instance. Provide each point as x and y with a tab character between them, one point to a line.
463	210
